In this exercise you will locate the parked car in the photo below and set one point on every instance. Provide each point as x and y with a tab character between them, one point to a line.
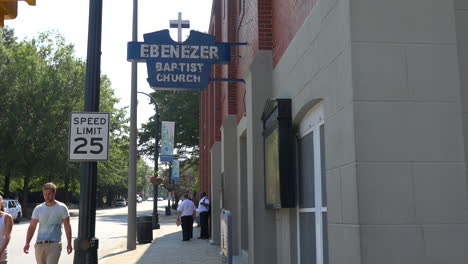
138	199
13	207
150	199
120	202
160	199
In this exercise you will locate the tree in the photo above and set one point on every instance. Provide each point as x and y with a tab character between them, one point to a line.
183	108
187	183
7	42
41	82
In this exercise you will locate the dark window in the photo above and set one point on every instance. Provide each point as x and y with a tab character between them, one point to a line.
322	166
306	172
307	233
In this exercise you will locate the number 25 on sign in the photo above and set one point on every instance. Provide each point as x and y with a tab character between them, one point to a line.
89	136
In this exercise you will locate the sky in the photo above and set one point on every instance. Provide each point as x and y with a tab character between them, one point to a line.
70	18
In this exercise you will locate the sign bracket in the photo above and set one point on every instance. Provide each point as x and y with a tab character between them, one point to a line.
227	80
237	43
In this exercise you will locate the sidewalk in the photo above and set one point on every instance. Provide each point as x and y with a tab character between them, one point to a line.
167	247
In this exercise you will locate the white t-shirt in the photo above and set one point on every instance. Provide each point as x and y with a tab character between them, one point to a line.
187	207
202	208
50	220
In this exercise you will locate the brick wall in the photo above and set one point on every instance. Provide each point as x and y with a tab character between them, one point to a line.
288	16
233	11
264	25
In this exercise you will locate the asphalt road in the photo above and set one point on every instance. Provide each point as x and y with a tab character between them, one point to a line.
111	230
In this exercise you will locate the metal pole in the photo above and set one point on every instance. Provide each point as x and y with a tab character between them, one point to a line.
131	228
172	193
86	244
156	157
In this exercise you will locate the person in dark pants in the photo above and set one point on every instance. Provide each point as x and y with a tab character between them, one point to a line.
204	210
186	214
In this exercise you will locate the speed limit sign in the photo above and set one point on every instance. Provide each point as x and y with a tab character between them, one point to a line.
89	136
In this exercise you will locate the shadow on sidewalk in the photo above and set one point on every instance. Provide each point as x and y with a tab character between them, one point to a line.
171	249
156	247
168	247
116	253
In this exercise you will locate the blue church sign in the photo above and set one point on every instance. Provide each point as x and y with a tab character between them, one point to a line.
174	65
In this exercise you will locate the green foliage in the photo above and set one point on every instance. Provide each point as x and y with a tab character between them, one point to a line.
182	107
41	82
188	179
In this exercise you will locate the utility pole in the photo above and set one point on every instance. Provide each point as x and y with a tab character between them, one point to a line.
131	227
86	244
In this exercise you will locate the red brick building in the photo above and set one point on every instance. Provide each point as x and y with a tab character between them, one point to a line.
379	164
242	21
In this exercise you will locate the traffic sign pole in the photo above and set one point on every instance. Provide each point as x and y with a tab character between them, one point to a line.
86	244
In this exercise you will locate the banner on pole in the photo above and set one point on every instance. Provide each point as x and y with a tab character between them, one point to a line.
167	141
175	170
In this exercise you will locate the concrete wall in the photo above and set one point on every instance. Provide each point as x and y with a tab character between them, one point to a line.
317	67
215	193
242	201
261	222
229	169
388	75
408	128
461	16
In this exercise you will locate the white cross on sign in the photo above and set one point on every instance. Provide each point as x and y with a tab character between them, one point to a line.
179	24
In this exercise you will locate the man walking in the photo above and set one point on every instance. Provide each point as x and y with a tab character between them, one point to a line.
50	215
186	214
203	209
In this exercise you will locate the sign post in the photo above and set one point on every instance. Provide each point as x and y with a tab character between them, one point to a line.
86	244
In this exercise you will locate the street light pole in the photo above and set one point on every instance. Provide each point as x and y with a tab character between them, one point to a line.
168	211
156	157
86	244
132	149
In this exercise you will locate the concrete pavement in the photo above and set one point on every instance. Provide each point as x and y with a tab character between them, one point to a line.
167	247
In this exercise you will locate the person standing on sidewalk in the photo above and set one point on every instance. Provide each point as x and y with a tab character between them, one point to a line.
203	209
6	225
50	215
186	213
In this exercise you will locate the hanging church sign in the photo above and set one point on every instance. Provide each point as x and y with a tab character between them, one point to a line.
179	65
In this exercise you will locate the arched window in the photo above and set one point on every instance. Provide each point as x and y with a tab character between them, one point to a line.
312	203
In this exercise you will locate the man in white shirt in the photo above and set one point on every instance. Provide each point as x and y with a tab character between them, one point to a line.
50	215
186	214
203	209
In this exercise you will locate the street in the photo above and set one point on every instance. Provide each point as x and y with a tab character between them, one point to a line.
111	230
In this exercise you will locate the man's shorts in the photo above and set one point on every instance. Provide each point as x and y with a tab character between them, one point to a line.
48	252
